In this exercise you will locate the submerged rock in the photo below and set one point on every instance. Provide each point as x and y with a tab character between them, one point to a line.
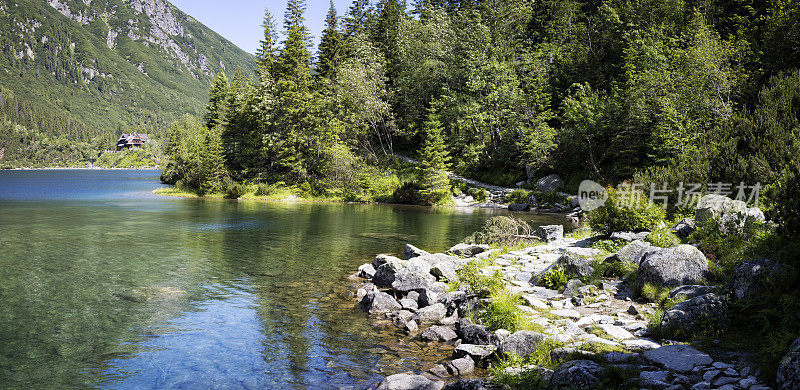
409	382
673	267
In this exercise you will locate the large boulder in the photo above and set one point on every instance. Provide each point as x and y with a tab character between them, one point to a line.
789	368
431	314
409	382
677	357
383	259
379	302
575	264
473	333
549	232
629	236
690	291
577	374
521	344
706	313
715	206
412	278
549	183
634	251
386	272
410	251
468	250
753	277
673	267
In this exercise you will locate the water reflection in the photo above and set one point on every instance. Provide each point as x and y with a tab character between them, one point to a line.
117	291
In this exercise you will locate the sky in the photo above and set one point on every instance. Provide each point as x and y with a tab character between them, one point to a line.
240	20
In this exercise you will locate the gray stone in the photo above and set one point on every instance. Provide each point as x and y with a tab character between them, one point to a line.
462	367
476	352
653	384
752	277
413	295
386	272
499	336
409	382
445	270
473	333
725	380
409	304
678	357
575	264
633	252
549	183
566	313
684	228
518	207
654	375
715	206
549	232
572	287
410	251
364	290
577	374
379	302
629	236
532	201
467	250
475	384
407	279
383	259
411	326
431	314
684	319
438	333
427	297
521	344
788	377
673	267
366	271
690	291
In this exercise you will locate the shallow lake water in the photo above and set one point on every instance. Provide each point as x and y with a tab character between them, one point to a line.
105	285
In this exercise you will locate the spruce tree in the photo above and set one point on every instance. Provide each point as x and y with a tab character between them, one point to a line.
331	44
356	20
433	159
217	102
265	54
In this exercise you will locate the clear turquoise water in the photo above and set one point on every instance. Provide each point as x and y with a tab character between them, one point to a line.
104	285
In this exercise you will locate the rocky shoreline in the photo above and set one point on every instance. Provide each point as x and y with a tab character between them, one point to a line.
598	335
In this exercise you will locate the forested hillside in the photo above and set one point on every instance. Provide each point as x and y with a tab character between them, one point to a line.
89	70
673	91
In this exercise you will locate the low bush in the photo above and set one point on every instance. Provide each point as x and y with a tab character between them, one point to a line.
663	238
518	196
554	279
626	211
500	231
232	190
612	246
483	285
479	194
502	312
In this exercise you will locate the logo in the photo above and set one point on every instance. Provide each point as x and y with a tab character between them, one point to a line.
591	195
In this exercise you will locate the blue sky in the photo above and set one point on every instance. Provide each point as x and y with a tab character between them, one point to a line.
240	20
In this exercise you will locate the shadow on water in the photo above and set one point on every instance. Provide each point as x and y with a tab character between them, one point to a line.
117	290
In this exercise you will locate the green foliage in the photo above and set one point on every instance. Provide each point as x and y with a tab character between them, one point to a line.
518	196
554	279
626	211
502	312
479	194
500	230
753	240
481	284
663	237
612	246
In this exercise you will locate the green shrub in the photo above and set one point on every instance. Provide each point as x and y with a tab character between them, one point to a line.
554	279
232	190
518	196
612	246
479	194
663	237
500	231
502	312
623	212
614	269
483	285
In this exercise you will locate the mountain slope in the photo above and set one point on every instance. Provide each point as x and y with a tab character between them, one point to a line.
109	65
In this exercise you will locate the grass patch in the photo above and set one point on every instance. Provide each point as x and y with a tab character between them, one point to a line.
554	279
663	238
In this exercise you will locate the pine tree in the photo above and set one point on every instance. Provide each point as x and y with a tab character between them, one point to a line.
433	157
356	20
217	102
265	55
331	44
386	33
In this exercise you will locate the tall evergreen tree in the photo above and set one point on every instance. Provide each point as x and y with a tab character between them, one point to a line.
356	20
217	102
433	155
265	54
330	47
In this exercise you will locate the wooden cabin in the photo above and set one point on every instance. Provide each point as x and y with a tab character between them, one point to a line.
132	141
